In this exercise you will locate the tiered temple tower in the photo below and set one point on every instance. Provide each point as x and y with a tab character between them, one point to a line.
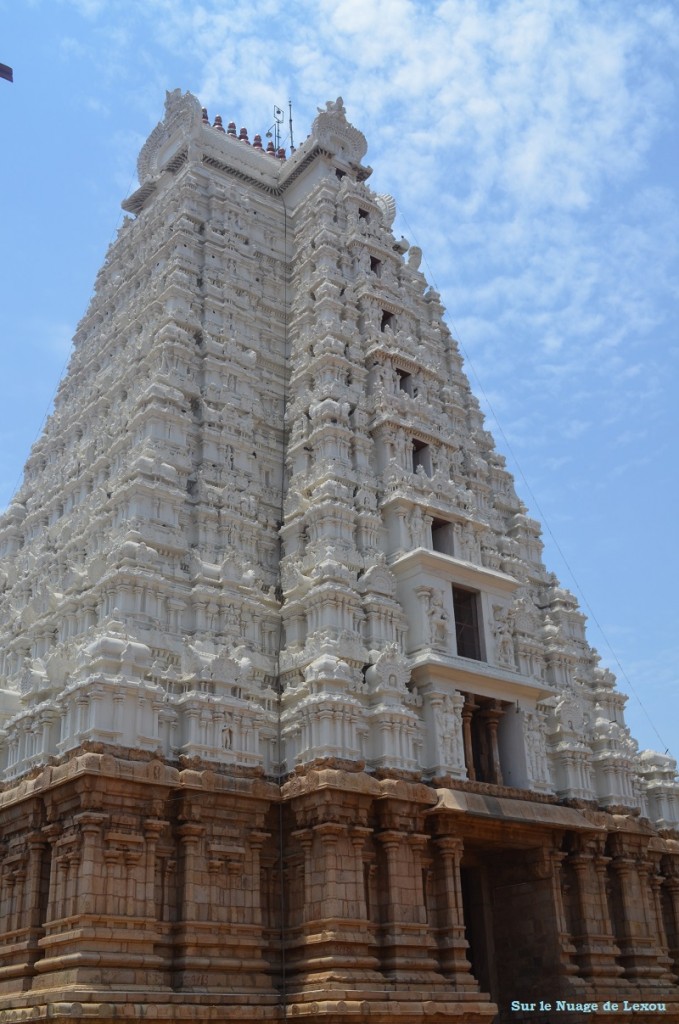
295	722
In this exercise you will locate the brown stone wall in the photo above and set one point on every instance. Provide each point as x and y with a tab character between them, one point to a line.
133	888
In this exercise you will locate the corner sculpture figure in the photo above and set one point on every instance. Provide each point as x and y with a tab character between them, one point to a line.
295	722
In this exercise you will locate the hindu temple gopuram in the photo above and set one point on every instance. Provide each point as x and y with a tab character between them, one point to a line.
295	723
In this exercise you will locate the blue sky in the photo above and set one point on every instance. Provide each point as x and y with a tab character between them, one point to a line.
532	148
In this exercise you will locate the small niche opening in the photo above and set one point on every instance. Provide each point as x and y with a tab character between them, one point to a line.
376	266
405	381
388	320
442	537
421	457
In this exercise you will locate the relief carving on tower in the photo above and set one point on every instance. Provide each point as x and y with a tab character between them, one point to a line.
503	636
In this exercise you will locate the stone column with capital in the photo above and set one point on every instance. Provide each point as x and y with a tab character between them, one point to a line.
670	890
190	835
23	908
449	914
407	941
332	942
594	941
91	893
637	927
468	709
491	717
655	882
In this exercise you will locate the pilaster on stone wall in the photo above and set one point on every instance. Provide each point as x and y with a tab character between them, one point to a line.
634	912
592	933
219	940
449	915
22	901
669	901
407	943
330	940
654	880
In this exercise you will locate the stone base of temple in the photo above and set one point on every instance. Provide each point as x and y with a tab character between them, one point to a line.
135	889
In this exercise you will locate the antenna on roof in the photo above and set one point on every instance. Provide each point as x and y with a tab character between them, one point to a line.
292	142
274	131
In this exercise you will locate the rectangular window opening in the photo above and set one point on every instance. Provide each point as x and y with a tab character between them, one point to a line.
376	266
467	634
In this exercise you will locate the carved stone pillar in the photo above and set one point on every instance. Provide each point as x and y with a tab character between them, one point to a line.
304	838
403	533
51	833
190	835
16	882
405	938
327	865
153	828
60	900
359	837
638	953
37	842
655	881
593	938
671	885
23	909
135	904
334	934
468	710
256	841
418	846
491	718
90	879
450	930
74	860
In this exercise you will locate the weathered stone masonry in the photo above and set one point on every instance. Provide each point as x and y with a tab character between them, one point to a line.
295	723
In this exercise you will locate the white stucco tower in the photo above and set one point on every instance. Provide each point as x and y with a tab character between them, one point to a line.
266	475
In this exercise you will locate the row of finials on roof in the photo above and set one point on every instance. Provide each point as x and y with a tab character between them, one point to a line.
242	136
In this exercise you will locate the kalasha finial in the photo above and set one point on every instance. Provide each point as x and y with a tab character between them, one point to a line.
206	119
281	153
218	123
270	148
243	137
257	142
231	128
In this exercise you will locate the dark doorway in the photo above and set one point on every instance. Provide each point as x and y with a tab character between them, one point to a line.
478	920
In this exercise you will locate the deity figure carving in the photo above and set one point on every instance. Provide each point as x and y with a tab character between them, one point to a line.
503	635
